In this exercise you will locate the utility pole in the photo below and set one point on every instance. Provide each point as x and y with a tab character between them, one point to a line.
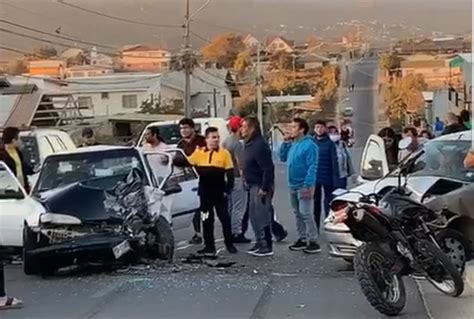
259	89
187	64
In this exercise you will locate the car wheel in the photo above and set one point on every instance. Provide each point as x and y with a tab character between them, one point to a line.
161	241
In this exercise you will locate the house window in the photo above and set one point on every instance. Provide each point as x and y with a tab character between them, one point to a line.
436	70
164	65
281	45
104	95
84	102
163	54
129	101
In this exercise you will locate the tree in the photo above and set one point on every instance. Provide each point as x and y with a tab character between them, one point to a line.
242	62
18	67
79	59
405	96
224	49
45	52
281	61
389	62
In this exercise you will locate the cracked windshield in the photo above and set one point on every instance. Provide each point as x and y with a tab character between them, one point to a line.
255	159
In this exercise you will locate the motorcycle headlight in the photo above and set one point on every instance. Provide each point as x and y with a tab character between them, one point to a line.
59	219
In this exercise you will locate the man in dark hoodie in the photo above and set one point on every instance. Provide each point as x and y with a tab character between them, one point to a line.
453	125
259	176
327	175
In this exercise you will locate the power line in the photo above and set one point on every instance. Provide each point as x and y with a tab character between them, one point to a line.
92	82
14	50
200	37
56	35
63	2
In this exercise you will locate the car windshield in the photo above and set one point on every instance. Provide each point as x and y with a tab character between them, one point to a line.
97	169
9	185
440	158
30	150
171	134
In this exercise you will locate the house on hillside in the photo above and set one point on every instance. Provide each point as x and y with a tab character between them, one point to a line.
434	46
436	71
52	67
311	61
145	58
279	44
83	71
250	41
100	59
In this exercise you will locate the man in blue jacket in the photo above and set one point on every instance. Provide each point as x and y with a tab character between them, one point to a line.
301	153
327	176
258	173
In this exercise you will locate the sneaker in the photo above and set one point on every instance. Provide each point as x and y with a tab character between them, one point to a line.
253	249
262	252
231	248
312	248
299	245
207	251
282	237
196	240
240	239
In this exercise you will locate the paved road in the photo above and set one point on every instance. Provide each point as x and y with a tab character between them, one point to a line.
288	285
363	74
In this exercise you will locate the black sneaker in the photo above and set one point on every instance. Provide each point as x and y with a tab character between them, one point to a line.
231	248
299	245
207	251
262	252
253	249
282	237
312	248
240	239
196	240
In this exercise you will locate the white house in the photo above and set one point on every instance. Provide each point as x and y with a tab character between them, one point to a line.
279	44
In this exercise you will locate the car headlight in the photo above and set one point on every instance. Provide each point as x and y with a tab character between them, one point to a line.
60	219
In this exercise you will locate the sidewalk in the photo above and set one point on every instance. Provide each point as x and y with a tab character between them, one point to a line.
440	306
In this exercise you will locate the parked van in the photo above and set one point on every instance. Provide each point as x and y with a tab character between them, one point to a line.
169	130
39	143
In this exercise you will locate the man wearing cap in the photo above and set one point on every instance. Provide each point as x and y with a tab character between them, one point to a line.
237	199
88	137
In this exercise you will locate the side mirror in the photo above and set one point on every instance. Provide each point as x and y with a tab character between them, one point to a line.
405	143
172	189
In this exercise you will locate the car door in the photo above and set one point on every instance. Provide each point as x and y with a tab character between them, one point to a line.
374	164
14	208
186	201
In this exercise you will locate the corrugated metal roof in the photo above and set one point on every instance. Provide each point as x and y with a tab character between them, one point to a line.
25	108
112	83
289	99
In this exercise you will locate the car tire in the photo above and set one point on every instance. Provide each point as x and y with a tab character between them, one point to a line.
455	246
163	242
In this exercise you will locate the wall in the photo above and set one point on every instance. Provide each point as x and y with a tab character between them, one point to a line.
146	60
433	76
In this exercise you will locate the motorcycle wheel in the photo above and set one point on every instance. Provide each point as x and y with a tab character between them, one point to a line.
163	241
455	246
384	291
441	273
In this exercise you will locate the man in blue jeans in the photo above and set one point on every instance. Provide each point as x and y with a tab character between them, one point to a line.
301	153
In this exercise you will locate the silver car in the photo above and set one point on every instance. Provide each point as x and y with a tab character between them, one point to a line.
438	170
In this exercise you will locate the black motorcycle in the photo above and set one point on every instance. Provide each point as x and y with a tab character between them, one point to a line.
397	242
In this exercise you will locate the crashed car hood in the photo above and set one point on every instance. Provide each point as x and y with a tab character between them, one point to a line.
78	200
418	185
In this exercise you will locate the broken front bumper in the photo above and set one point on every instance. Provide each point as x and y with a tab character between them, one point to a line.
340	241
91	248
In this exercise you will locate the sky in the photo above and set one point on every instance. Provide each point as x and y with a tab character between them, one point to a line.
300	17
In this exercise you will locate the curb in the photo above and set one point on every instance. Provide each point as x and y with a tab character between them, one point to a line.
470	273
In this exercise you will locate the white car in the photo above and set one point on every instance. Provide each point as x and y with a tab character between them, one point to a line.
438	170
97	168
15	206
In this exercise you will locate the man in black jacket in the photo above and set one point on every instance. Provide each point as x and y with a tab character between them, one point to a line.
259	177
453	125
11	155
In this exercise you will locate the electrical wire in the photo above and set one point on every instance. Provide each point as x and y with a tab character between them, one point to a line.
56	35
78	82
101	14
200	37
14	50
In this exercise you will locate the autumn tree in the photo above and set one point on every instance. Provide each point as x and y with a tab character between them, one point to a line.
79	59
404	96
45	52
242	62
389	62
224	49
281	61
18	67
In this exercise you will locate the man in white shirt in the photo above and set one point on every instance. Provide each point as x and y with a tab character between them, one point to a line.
154	143
153	140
